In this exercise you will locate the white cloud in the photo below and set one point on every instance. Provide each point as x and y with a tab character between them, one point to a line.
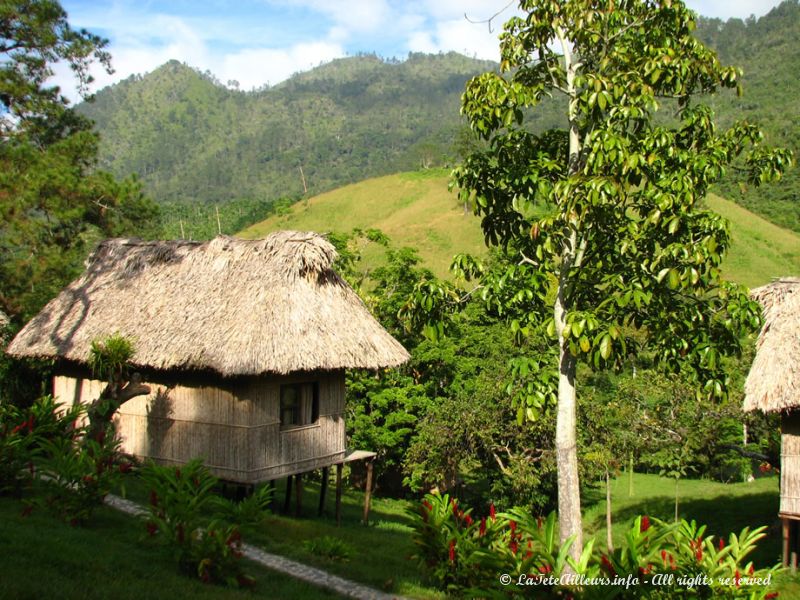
725	9
253	67
260	41
459	35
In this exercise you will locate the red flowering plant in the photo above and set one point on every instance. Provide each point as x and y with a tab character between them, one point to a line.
202	527
467	556
452	545
75	477
21	435
677	560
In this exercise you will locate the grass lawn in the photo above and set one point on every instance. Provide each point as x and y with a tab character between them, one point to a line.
723	508
41	557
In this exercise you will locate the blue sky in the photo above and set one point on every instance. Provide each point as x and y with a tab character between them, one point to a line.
255	42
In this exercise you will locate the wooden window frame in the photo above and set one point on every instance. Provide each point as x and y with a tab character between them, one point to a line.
300	411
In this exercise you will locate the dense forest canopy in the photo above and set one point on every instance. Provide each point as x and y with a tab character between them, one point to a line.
192	140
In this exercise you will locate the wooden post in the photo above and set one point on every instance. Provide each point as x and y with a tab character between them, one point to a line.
339	494
298	494
323	488
288	498
368	491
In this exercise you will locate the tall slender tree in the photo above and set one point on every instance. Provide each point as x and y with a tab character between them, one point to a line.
52	200
614	249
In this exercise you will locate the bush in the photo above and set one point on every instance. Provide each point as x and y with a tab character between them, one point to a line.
76	477
203	528
24	434
329	548
466	556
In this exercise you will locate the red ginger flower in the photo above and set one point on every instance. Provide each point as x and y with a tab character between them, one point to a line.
482	529
468	520
513	526
492	512
153	498
607	565
452	551
736	577
645	524
721	543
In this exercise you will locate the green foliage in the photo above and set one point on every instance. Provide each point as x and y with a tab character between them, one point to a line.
25	434
108	358
329	548
464	555
76	476
201	527
193	140
54	205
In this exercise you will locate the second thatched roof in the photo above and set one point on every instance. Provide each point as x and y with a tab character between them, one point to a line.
773	383
233	306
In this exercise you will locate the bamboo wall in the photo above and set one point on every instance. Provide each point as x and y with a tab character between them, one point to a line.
790	465
233	425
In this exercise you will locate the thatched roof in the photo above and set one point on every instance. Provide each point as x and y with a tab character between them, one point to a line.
773	383
232	306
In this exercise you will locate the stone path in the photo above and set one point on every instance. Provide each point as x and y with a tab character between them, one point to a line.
317	577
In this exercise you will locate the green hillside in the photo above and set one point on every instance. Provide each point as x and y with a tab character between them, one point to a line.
415	209
191	139
196	142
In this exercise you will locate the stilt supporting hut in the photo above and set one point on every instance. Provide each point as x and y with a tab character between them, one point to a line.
242	343
773	385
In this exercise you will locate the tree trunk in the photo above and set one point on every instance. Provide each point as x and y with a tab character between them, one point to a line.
569	497
609	539
630	475
102	410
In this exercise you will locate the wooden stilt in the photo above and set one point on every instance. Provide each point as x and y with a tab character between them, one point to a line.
298	494
368	491
288	498
338	494
785	535
323	488
794	533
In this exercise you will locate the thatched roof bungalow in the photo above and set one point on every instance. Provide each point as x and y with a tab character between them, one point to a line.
244	344
773	385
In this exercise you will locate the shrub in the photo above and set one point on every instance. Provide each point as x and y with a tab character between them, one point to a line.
329	548
466	556
203	528
76	477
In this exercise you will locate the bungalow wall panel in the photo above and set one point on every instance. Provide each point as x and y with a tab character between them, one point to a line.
235	428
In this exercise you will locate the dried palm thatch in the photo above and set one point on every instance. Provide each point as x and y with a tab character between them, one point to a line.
773	383
232	306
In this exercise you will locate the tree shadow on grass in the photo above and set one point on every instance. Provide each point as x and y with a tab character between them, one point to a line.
722	516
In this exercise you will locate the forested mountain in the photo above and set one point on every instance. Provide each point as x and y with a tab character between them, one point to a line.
191	139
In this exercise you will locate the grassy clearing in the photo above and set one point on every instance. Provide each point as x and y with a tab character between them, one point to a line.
41	557
413	209
760	250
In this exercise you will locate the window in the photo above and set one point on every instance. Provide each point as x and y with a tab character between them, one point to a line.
299	404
